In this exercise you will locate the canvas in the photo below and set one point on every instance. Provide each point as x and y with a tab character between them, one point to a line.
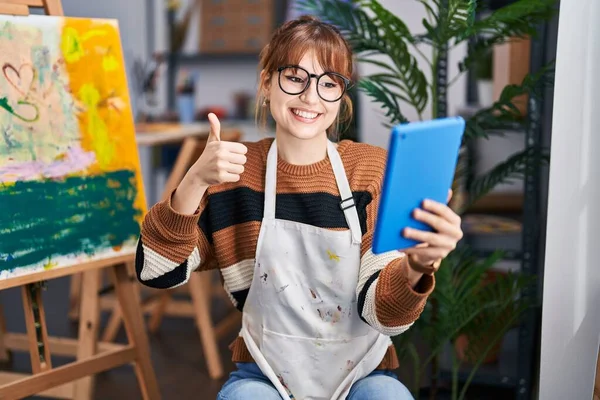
70	182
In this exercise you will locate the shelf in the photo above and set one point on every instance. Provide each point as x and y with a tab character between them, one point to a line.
481	236
502	373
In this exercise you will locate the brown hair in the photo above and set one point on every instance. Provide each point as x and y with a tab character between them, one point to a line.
288	45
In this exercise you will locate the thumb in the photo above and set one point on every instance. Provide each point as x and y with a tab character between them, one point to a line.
215	128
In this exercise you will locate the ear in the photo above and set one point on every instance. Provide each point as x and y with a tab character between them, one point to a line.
265	82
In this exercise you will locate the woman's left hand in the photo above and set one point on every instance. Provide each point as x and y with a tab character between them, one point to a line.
434	246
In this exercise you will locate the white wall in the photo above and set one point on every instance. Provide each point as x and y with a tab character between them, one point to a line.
571	317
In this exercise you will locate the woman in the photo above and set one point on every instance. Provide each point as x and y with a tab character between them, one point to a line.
289	222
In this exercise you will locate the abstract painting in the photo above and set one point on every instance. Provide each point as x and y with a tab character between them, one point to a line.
70	182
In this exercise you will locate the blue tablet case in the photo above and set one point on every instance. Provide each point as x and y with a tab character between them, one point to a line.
421	162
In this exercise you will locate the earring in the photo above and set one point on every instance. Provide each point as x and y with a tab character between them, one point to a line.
265	102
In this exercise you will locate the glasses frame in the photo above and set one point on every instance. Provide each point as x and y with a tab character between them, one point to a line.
347	82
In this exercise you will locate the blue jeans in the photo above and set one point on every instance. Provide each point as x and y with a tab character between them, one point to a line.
249	383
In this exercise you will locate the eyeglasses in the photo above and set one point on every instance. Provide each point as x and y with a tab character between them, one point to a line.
294	80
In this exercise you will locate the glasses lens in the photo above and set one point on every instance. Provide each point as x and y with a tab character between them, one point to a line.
331	87
293	80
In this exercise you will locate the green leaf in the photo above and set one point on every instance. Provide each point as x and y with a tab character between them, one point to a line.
487	330
504	114
454	303
393	25
430	11
461	19
389	100
389	80
515	167
516	20
519	18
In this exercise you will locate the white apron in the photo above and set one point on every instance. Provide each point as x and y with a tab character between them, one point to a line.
300	320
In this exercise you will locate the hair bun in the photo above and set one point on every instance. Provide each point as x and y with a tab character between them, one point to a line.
308	18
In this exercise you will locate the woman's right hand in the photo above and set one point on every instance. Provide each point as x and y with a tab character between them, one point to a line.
220	161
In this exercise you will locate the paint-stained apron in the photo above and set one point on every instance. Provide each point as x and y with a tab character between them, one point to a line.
300	320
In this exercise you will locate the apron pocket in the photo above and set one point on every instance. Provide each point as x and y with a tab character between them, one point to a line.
314	368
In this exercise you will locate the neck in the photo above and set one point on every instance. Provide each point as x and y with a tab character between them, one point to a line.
301	151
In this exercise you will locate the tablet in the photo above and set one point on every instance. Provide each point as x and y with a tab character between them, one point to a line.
421	162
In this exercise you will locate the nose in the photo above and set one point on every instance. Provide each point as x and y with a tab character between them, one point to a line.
310	95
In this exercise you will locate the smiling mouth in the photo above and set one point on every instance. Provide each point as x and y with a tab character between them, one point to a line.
305	114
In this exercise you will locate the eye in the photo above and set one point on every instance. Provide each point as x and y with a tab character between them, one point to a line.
329	85
295	79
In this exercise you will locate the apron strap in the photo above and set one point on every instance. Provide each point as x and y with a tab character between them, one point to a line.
347	203
271	182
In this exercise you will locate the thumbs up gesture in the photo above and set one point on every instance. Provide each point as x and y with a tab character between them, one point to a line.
220	161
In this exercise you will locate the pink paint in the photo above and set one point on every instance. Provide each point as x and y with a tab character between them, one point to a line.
75	159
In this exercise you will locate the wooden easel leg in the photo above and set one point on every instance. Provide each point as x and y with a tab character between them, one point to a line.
201	297
134	325
88	330
113	325
75	296
158	311
114	322
35	322
53	7
4	353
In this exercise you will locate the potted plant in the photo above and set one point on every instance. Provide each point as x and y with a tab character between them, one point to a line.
461	306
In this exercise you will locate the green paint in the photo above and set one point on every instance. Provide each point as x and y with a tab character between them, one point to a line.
40	221
5	31
4	104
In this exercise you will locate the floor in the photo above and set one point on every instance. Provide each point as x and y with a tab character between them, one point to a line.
176	352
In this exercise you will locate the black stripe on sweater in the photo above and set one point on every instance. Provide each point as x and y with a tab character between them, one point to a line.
240	296
363	294
243	204
172	278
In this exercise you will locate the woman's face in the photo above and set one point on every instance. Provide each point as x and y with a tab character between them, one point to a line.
305	115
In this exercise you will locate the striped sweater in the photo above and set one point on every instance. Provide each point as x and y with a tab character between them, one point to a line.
223	233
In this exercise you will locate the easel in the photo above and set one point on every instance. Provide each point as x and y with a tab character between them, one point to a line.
200	289
74	380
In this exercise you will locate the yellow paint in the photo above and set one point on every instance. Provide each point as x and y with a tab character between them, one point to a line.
97	79
75	219
333	256
60	157
50	264
91	33
71	45
113	184
110	63
102	144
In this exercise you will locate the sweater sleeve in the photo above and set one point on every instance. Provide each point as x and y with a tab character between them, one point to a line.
172	245
386	300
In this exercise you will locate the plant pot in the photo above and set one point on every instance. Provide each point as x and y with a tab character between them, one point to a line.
485	93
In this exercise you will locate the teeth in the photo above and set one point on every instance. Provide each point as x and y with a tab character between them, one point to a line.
305	114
